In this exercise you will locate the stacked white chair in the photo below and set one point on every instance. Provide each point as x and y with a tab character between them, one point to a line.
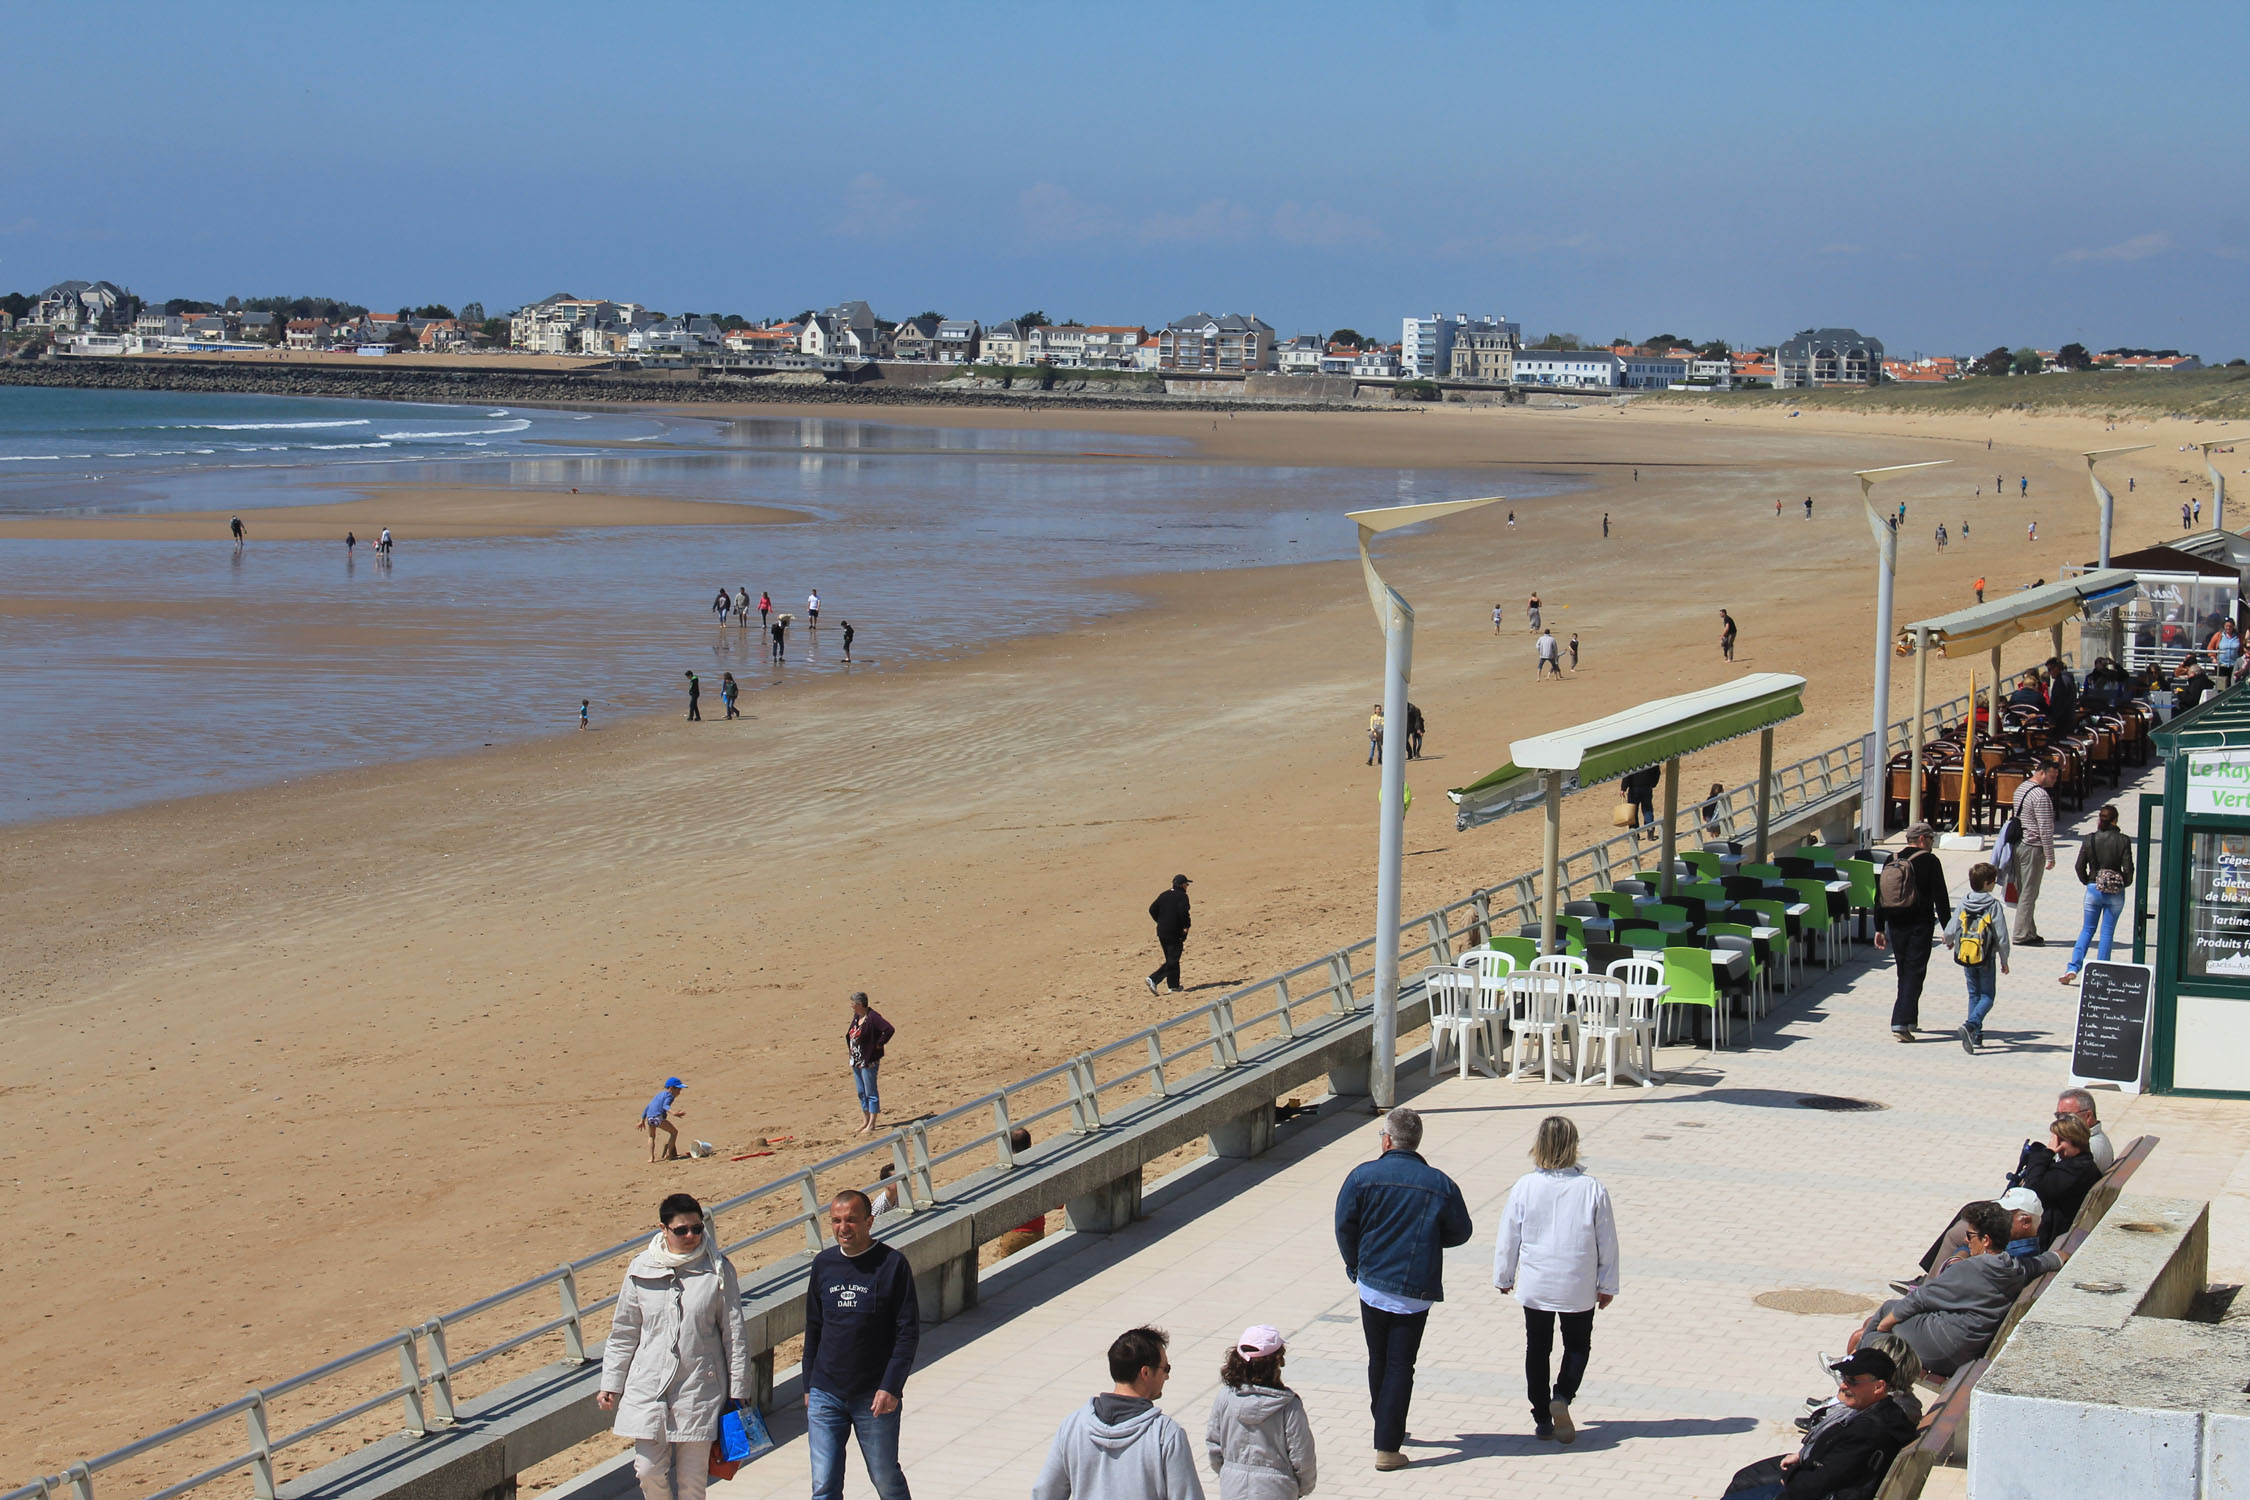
1492	969
1604	1020
1454	1021
1643	979
1537	1011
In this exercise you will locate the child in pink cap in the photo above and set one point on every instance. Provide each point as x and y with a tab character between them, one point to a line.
1259	1442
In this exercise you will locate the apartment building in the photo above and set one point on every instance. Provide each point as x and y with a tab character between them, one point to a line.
1300	355
1062	345
1228	345
1484	354
1426	344
1006	344
956	341
1111	346
1650	372
1828	356
915	340
89	305
557	324
1575	369
846	331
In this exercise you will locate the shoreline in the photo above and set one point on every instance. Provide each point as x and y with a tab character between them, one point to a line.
314	1028
412	511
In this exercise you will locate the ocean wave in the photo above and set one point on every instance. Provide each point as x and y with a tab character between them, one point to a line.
260	426
503	412
516	426
338	447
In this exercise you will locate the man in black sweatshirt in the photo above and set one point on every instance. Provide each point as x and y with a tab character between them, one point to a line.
1170	913
862	1325
1907	922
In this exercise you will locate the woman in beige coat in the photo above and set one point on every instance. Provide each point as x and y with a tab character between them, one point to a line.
676	1354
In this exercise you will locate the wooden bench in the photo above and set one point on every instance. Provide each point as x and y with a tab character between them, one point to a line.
1944	1431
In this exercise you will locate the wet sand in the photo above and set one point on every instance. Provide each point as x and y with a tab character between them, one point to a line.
411	511
291	1068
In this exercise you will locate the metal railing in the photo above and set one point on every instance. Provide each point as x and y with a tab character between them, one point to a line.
931	1154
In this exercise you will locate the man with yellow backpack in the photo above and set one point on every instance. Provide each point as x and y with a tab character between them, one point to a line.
1978	936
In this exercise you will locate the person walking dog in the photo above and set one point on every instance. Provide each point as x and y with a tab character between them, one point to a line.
677	1357
1395	1218
1558	1256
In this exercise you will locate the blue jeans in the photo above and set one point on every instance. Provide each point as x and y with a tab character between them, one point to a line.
1983	980
863	1079
2101	909
827	1418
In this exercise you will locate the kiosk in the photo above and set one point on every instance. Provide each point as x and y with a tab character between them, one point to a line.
2200	864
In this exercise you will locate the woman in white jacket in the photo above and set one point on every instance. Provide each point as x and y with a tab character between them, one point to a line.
676	1354
1558	1255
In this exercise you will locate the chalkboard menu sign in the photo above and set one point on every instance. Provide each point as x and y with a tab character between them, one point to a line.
2218	914
2113	1012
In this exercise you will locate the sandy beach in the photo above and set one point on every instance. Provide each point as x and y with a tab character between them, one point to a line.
291	1068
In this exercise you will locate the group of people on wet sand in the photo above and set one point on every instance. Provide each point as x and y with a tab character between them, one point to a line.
735	608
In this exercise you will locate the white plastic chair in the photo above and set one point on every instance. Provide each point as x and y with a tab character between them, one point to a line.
1492	969
1643	979
1558	963
1603	1021
1452	993
1536	1010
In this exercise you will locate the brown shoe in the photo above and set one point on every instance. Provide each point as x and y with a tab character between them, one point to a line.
1558	1412
1389	1461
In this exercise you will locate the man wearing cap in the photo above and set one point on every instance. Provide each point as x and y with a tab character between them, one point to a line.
1170	913
1843	1459
1908	921
658	1116
1395	1218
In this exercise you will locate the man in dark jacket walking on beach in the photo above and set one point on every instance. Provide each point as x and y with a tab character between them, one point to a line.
1170	913
863	1324
1910	907
1395	1218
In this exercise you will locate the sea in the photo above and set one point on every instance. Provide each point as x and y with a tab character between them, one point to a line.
134	671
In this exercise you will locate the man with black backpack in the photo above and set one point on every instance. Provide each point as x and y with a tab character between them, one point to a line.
1910	902
1978	936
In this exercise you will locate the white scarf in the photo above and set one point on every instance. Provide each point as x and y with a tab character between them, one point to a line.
668	1260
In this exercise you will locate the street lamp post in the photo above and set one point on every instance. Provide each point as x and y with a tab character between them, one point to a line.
1886	573
2102	497
2218	482
1396	617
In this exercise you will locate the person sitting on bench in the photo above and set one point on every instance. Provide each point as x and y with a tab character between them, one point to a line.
1950	1319
2061	1172
1844	1459
2024	1210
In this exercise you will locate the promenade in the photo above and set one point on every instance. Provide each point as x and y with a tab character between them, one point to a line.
1754	1231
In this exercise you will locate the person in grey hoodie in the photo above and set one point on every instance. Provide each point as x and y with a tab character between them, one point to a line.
1982	914
1258	1440
1118	1446
1950	1319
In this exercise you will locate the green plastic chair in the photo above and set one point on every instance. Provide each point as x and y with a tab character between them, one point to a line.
1861	873
1616	903
1691	981
1655	878
1572	930
1643	939
1523	950
1776	916
1817	919
1771	874
1664	912
1760	958
1705	865
1819	855
1709	895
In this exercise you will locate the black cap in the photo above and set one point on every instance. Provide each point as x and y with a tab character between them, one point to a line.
1181	880
1867	1362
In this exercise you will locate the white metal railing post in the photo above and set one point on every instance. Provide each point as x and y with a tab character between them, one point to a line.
1440	936
81	1481
261	1447
1340	982
1002	1130
902	1167
1281	1010
1481	900
410	1385
441	1370
808	1193
1090	1090
574	1326
1155	1066
919	1137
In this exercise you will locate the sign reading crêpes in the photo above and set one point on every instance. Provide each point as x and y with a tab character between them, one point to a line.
2218	781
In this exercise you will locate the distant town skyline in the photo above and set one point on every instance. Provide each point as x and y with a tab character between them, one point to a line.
1947	179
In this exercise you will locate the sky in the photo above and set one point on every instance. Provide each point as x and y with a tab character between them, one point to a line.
1945	177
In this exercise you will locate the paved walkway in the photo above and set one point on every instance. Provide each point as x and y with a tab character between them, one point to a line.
1728	1191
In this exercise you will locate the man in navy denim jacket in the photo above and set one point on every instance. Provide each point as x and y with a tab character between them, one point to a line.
1395	1219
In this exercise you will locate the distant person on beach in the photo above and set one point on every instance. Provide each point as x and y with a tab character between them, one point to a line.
1549	656
694	698
723	606
765	607
585	711
1259	1441
848	634
1777	507
742	605
1726	636
1980	590
657	1118
1169	911
781	638
1532	612
1808	507
1496	617
2183	516
1119	1446
812	610
677	1353
1395	1218
865	1037
1714	801
727	691
1574	653
2031	532
350	541
863	1327
1375	735
1415	725
240	531
383	542
1605	524
2023	484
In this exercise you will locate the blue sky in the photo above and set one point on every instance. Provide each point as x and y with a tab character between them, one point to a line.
1946	177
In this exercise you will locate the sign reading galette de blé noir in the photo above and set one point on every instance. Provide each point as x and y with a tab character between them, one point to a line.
2218	781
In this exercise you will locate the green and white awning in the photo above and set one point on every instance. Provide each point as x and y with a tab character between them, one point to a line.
1980	627
1646	735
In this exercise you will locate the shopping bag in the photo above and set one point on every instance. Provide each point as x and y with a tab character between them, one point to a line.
742	1437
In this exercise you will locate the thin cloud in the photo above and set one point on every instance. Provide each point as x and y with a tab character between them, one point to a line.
1319	224
1519	242
1211	222
874	210
2139	247
1053	212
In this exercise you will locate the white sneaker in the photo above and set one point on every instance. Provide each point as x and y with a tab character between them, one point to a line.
1151	985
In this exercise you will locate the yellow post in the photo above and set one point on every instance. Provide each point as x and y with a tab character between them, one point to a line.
1968	759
